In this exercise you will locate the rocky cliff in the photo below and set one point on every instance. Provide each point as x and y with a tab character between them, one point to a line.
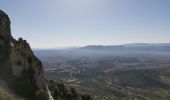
19	67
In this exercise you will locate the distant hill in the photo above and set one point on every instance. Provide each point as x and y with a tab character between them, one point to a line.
126	45
127	48
147	44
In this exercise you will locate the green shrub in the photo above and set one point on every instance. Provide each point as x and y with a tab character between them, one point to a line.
74	92
86	97
41	95
4	95
24	85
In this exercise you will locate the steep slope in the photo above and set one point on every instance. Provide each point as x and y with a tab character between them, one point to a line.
6	93
19	67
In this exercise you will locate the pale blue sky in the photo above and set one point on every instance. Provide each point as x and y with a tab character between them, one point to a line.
62	23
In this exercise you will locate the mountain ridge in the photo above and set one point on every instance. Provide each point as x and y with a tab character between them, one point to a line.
121	45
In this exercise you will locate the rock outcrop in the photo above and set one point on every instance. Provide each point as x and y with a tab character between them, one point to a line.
19	67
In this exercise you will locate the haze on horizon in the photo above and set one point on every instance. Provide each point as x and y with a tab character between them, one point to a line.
65	23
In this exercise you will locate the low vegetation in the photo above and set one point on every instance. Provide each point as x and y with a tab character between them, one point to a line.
5	95
24	85
113	76
60	91
41	95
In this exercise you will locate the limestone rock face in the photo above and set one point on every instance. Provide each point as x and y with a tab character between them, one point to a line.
24	59
17	58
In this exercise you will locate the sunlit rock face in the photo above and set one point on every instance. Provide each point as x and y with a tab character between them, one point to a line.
17	61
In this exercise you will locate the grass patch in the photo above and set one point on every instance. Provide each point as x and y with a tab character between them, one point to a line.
4	95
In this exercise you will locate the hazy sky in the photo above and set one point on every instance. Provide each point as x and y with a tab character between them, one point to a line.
61	23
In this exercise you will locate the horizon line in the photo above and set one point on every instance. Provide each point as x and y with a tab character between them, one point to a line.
67	47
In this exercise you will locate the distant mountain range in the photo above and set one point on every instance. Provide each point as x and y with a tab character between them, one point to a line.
148	44
128	45
139	47
127	49
108	46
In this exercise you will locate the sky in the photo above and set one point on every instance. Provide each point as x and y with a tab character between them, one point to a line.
67	23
